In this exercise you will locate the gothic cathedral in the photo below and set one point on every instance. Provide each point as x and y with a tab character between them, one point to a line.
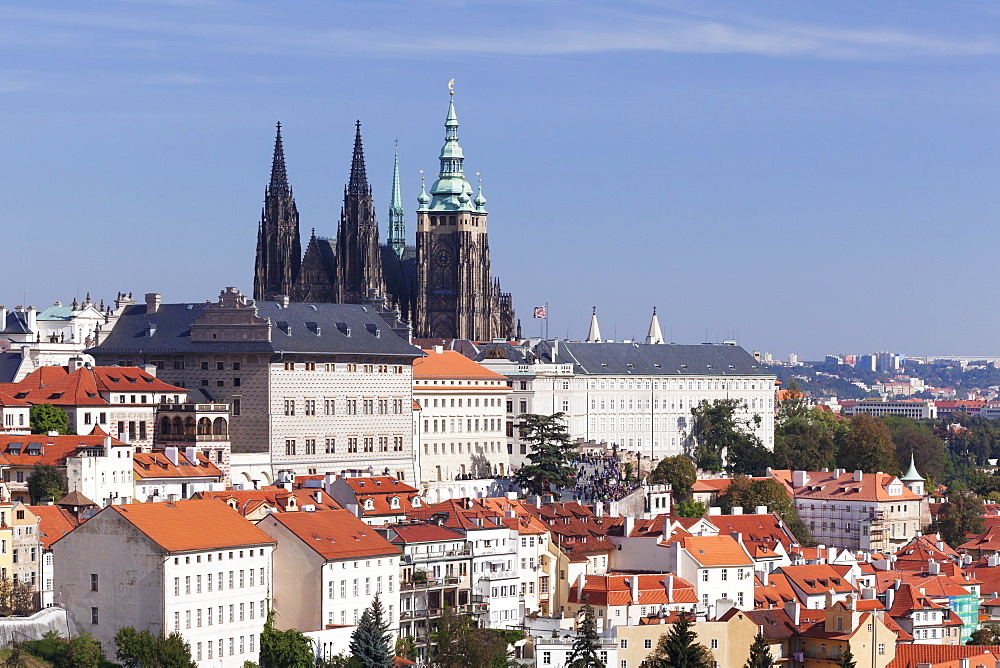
443	286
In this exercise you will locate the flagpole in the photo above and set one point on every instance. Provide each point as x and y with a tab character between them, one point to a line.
546	320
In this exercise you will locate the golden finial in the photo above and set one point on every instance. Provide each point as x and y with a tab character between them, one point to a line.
451	87
479	177
422	177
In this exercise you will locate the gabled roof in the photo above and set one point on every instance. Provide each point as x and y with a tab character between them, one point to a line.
34	449
185	526
826	485
75	499
54	522
422	533
817	579
615	589
756	528
155	465
248	500
89	386
7	400
451	365
944	656
773	624
334	534
716	551
775	593
988	540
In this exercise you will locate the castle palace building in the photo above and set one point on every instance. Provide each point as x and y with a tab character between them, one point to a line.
443	286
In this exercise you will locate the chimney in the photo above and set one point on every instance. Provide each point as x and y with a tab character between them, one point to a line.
580	582
629	525
32	313
963	662
714	510
282	300
765	576
107	444
612	508
439	350
737	510
192	454
318	497
993	561
966	559
867	593
794	611
152	302
737	536
555	350
890	596
538	501
3	316
940	545
668	583
933	567
799	478
170	452
760	510
598	509
838	472
831	555
634	586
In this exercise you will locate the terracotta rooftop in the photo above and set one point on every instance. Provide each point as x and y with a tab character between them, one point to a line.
34	449
156	465
334	534
716	551
54	523
452	365
89	386
944	656
180	526
247	500
616	589
828	486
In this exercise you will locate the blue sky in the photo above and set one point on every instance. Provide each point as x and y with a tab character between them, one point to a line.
804	176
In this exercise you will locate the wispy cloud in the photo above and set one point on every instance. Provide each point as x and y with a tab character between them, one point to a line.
597	31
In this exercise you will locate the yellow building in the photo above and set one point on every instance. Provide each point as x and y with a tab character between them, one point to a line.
729	641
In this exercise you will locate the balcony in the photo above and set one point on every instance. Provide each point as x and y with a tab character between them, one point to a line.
498	575
435	556
431	583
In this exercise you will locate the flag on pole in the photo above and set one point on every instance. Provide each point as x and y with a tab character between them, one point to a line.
542	312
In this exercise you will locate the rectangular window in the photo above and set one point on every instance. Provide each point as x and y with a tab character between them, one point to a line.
93	616
237	405
93	582
289	450
310	407
310	446
329	406
352	406
331	446
289	407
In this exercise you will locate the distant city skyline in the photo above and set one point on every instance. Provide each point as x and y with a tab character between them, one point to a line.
804	179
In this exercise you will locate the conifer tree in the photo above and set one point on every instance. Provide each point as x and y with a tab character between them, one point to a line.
846	659
678	649
550	454
760	653
587	641
371	642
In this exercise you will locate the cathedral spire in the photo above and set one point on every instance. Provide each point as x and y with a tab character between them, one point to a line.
654	335
397	225
451	192
279	177
358	184
594	335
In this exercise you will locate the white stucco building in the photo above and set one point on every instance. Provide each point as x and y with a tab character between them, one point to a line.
210	586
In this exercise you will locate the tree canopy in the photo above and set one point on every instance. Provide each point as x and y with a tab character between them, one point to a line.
142	649
458	643
961	516
284	649
371	642
550	454
725	437
46	482
678	648
748	494
868	447
679	472
44	418
760	653
587	642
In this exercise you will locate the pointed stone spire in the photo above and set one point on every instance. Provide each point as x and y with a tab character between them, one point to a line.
279	177
654	335
397	224
358	183
594	335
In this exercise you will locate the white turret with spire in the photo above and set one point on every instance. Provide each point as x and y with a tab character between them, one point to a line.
654	335
594	334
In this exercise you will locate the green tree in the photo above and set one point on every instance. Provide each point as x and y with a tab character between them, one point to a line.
82	651
371	642
679	472
724	435
44	418
868	447
846	659
678	648
689	509
760	653
284	649
587	642
803	439
142	649
456	643
46	482
748	494
988	634
550	454
960	517
920	441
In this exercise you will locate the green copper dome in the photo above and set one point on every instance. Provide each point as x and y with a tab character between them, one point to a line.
912	475
451	192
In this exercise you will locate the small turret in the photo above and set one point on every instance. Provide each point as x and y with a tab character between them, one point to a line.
912	479
654	335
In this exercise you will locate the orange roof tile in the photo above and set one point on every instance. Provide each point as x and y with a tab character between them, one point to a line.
54	523
826	485
91	386
334	534
7	400
616	589
813	579
451	365
180	526
52	450
716	551
909	655
248	500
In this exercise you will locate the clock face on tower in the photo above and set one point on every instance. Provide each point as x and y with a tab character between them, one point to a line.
442	257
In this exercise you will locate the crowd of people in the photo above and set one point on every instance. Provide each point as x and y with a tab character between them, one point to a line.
600	478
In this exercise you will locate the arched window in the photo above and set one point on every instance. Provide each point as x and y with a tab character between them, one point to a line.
204	426
219	427
189	427
165	425
177	426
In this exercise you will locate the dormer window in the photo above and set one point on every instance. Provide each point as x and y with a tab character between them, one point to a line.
369	504
415	503
394	502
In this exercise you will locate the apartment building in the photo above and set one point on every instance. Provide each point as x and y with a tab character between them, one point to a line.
212	587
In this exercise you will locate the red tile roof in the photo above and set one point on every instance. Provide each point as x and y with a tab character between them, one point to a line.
248	500
815	579
88	386
335	534
54	523
716	551
616	589
185	526
52	450
451	365
7	400
156	465
826	485
423	533
909	655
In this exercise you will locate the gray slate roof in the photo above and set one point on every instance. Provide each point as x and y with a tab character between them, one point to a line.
654	360
172	325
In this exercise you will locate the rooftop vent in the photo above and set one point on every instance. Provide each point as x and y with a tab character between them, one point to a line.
344	329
